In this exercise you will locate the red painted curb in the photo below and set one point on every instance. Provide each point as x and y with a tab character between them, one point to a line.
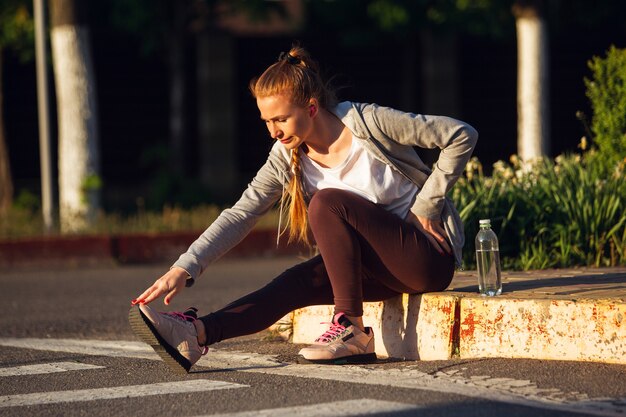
53	250
128	249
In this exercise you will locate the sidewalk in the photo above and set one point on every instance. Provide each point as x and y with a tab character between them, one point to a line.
567	314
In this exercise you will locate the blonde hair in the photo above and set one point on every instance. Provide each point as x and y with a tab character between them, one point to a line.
297	76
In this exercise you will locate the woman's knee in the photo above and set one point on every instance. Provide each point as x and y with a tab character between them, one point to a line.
328	201
326	197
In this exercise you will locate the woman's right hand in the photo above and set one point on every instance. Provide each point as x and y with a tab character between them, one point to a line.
433	230
170	284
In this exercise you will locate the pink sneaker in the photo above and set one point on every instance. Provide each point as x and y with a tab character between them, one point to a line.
173	336
342	343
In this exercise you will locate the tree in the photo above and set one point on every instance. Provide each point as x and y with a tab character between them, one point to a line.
607	92
428	31
438	25
164	27
16	32
79	165
533	119
213	26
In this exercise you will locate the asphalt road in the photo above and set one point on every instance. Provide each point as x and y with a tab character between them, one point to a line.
66	349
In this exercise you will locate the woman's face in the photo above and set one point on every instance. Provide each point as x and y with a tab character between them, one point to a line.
288	123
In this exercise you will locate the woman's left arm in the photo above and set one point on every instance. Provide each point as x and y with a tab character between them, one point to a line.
455	138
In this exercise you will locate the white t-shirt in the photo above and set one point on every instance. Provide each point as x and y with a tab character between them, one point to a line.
363	175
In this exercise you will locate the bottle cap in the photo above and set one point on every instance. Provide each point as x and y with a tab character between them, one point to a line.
484	221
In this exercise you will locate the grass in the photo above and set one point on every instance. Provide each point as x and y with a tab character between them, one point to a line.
23	222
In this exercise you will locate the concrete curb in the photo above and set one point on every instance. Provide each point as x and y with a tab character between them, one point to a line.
578	330
519	324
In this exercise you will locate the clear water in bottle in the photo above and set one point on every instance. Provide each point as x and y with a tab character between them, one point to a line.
488	260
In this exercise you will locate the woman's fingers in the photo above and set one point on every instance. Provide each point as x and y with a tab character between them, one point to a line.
171	284
171	295
446	247
434	242
177	283
149	295
153	295
434	232
142	297
439	234
153	292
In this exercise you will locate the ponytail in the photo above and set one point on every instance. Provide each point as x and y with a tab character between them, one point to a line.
298	219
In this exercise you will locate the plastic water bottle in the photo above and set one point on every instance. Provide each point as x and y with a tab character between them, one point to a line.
488	260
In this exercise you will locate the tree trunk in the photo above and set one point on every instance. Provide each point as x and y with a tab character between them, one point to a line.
79	165
440	74
216	114
439	81
176	47
532	80
410	75
6	181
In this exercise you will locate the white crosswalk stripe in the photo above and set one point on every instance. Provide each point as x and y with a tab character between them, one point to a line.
40	398
402	377
46	368
346	408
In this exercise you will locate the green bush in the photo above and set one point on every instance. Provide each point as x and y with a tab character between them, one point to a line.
559	213
607	93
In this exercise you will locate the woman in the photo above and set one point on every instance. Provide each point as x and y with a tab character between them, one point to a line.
347	173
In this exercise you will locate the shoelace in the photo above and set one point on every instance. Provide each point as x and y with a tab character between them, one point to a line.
332	333
180	316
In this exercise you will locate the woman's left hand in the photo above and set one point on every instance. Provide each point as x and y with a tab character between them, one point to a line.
433	230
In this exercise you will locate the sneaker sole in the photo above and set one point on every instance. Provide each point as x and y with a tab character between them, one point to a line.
346	360
144	329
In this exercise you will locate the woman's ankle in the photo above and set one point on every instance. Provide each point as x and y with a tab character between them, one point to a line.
357	322
199	325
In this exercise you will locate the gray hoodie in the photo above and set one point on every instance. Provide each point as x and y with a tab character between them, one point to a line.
389	135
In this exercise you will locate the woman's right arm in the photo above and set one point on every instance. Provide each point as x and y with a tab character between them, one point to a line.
235	223
231	226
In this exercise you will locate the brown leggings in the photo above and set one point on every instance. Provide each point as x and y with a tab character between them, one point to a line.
366	254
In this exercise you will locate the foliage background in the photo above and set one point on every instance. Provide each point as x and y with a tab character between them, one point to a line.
558	212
